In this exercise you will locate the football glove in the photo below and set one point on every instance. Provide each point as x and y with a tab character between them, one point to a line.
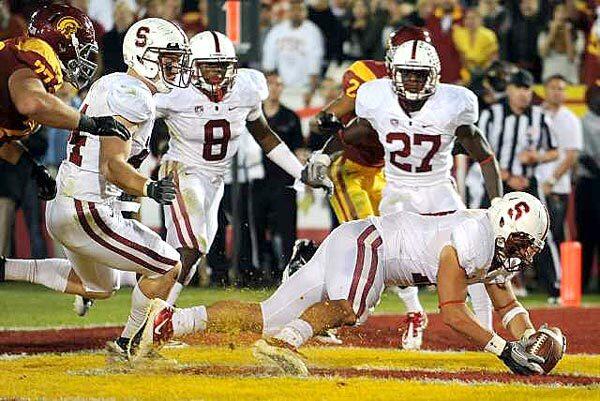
103	126
45	183
328	123
162	191
315	172
519	361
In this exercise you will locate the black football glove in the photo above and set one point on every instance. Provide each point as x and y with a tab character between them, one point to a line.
103	126
328	123
162	191
45	183
520	361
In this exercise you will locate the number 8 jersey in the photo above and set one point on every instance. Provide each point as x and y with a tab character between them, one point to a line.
418	147
206	134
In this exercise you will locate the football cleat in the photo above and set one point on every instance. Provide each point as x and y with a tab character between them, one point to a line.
157	328
329	337
303	251
118	350
82	305
412	337
281	355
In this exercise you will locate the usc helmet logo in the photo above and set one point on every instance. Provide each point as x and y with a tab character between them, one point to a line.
67	26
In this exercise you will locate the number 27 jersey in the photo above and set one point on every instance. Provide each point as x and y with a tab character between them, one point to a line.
207	134
418	147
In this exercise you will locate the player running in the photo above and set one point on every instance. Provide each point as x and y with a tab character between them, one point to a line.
205	122
416	121
60	45
354	264
84	216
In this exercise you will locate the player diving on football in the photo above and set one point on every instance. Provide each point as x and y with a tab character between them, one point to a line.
60	45
205	122
406	128
346	277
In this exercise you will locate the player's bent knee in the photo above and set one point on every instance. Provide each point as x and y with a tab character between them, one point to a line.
98	295
346	312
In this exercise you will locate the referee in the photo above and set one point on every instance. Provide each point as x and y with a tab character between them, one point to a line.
522	140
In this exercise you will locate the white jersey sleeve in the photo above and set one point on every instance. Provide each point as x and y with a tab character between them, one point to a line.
472	241
133	103
366	104
468	110
257	87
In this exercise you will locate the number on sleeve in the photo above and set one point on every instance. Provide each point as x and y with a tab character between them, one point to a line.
77	141
210	142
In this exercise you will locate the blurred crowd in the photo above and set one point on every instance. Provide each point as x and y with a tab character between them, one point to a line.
306	44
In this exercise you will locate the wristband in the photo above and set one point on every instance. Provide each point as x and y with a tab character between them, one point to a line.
145	190
511	314
495	345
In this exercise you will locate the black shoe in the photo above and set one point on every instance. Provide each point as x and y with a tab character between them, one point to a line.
303	251
2	263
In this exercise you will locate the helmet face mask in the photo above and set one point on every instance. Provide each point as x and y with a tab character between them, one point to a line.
516	253
171	66
414	83
80	70
214	77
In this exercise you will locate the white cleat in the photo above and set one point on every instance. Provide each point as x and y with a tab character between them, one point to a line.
157	328
82	305
412	337
276	353
329	337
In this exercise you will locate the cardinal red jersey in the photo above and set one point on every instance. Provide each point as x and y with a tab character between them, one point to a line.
17	53
369	152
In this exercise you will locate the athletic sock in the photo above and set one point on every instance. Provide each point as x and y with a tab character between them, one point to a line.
189	320
482	304
51	273
295	333
174	293
127	279
410	297
139	308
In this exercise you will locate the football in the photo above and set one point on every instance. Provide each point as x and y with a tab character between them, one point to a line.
549	343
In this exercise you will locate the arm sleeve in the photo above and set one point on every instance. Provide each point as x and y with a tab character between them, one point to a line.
351	81
259	83
470	110
360	107
130	103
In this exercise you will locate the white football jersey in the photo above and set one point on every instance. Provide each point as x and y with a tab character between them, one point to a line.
204	134
413	243
116	94
418	147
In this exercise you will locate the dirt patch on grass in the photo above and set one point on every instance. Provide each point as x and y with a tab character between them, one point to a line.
579	326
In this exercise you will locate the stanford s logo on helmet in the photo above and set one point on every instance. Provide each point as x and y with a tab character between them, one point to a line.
520	223
71	35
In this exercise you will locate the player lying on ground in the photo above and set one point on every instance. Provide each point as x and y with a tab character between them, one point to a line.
347	275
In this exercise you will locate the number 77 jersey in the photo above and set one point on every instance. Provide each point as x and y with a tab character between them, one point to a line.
205	134
418	146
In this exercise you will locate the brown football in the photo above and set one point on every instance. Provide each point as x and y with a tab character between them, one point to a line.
547	342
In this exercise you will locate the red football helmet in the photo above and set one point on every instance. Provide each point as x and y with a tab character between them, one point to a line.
401	35
71	34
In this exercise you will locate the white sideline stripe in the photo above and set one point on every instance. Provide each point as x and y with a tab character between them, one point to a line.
118	325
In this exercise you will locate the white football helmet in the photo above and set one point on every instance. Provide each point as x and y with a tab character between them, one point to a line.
415	70
158	50
520	223
214	64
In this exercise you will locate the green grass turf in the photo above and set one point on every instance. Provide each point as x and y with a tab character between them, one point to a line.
26	305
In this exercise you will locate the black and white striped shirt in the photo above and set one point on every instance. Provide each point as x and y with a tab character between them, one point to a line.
510	134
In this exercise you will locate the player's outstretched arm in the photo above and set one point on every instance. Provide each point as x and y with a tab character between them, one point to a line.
452	292
514	316
32	100
477	146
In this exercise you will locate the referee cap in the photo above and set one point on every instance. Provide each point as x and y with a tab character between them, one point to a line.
521	78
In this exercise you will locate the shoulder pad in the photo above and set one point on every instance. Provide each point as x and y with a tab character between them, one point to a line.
130	102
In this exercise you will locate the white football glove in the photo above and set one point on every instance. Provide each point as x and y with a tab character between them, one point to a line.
315	172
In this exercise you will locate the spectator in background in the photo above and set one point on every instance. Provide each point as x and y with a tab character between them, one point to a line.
103	11
560	47
11	25
440	24
419	16
294	48
591	62
112	41
273	197
522	48
477	45
587	193
332	29
84	5
364	33
497	18
396	11
556	175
